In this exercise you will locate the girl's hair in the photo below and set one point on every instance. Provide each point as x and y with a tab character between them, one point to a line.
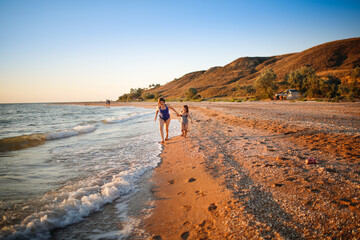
161	99
187	108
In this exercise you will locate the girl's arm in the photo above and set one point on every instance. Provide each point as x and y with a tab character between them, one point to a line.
173	109
190	118
157	111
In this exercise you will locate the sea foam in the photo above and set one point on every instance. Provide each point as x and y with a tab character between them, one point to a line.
33	140
70	132
132	116
94	170
88	196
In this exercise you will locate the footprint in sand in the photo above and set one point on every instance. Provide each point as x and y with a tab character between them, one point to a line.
187	207
186	223
181	193
212	207
207	224
157	237
185	235
200	193
192	180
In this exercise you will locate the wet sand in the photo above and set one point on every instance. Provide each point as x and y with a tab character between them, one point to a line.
242	173
187	197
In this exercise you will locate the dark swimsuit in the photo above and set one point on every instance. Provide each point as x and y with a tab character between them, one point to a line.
164	114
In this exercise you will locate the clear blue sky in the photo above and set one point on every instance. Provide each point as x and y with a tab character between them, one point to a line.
93	50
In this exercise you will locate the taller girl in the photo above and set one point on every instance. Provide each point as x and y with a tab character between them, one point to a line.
164	117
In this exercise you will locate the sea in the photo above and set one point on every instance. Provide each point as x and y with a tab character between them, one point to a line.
62	165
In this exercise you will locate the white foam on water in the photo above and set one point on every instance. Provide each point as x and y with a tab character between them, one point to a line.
85	129
81	197
131	116
114	120
128	225
74	202
61	134
124	233
70	132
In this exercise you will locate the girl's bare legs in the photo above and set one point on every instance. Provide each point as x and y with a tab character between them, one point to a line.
185	129
167	123
161	125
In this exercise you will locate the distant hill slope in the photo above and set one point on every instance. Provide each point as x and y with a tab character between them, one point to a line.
337	58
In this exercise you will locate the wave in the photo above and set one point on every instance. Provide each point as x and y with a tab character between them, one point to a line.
121	119
21	142
70	133
33	140
132	116
73	203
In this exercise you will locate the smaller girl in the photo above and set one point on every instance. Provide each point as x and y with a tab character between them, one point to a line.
185	116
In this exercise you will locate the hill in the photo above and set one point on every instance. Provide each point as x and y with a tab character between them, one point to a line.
337	58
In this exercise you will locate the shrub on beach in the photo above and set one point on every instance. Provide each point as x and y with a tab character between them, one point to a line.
246	90
355	82
148	95
265	84
191	94
330	88
301	78
135	94
313	86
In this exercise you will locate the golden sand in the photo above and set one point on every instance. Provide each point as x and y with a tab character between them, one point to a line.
242	173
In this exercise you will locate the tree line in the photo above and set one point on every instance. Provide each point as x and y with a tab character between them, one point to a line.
266	85
140	94
309	85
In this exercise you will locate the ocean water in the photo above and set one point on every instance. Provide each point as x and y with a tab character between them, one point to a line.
60	164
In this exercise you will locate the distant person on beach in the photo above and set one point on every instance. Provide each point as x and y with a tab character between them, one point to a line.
163	110
185	116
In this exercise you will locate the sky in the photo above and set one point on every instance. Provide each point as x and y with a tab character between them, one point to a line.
92	50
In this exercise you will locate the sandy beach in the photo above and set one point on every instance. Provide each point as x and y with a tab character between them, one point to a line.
242	173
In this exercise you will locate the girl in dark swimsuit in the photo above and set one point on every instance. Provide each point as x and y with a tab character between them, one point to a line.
164	115
185	116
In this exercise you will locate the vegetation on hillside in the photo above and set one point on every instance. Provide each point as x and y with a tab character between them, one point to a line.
309	84
139	94
328	71
192	94
265	85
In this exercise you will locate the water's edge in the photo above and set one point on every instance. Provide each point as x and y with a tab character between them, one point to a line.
121	219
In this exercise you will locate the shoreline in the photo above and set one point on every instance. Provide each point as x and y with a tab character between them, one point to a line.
253	155
187	199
